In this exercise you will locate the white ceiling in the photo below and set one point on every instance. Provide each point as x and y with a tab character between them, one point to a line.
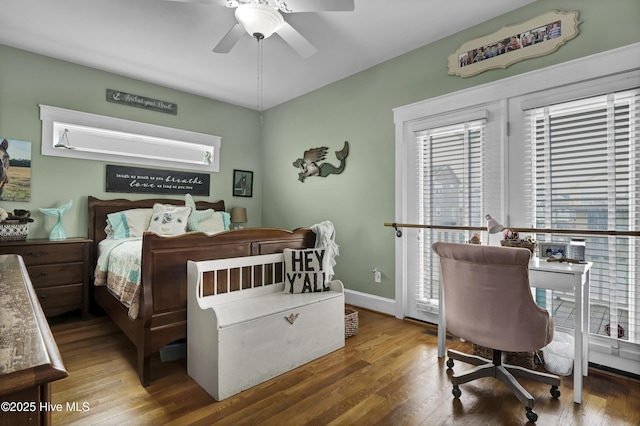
169	43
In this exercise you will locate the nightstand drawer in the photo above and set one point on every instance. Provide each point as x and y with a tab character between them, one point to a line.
55	300
39	254
56	274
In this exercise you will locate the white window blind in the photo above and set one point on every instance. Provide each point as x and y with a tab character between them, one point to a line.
458	180
450	173
585	173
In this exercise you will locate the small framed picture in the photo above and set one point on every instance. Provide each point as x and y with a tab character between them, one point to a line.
242	183
553	250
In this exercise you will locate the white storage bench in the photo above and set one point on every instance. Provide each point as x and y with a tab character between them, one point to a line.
238	339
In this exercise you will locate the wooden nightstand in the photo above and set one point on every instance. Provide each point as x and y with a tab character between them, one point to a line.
59	271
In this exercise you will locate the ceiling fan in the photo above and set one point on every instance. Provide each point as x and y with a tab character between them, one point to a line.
262	18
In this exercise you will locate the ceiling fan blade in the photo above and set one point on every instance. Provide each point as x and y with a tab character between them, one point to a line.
321	5
296	40
230	39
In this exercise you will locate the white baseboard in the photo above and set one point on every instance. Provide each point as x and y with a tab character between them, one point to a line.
370	301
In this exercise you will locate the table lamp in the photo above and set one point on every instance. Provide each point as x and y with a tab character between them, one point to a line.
493	227
238	216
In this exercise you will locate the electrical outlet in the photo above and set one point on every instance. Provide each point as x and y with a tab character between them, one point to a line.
377	275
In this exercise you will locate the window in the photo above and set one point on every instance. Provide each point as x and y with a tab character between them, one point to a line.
511	170
456	175
586	175
450	194
75	134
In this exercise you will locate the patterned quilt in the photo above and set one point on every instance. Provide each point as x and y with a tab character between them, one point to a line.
118	269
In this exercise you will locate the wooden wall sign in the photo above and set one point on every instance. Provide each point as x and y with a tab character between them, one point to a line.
138	180
536	37
123	98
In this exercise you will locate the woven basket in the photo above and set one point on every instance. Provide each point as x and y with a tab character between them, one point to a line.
515	243
13	230
522	359
350	322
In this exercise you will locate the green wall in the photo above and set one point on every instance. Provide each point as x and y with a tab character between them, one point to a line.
27	79
359	109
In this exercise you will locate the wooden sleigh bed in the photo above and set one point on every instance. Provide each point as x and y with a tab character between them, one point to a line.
162	317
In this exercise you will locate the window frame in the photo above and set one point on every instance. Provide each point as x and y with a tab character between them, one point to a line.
54	120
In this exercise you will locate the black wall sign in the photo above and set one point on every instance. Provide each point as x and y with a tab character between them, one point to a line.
138	180
123	98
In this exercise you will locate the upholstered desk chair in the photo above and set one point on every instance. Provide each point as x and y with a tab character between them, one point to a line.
487	301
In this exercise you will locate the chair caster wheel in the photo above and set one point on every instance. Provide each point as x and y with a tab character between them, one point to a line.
456	392
450	363
531	415
555	392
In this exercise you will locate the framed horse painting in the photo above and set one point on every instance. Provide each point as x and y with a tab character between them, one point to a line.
15	170
242	183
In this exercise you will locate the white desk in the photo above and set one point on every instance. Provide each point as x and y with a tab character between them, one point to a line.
554	276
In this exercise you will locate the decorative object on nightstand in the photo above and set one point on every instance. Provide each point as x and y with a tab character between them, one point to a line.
57	232
14	227
238	216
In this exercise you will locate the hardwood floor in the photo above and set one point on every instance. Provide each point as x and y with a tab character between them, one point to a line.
388	374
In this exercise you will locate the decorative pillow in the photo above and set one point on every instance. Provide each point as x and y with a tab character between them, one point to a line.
217	222
168	219
306	271
128	223
205	220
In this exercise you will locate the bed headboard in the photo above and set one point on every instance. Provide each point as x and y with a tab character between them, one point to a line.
99	209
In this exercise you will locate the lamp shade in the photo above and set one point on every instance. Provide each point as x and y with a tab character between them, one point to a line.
239	215
259	20
493	226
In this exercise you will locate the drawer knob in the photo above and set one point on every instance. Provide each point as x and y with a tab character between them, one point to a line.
292	318
43	296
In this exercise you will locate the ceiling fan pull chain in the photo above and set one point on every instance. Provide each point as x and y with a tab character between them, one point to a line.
259	74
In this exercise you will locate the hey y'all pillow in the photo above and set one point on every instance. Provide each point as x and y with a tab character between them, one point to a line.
306	271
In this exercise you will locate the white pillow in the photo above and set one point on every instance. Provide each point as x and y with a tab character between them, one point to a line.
206	220
128	223
306	271
217	222
167	219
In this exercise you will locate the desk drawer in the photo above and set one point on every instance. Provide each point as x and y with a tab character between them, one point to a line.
551	280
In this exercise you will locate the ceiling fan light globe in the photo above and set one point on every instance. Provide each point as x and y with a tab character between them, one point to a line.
259	19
